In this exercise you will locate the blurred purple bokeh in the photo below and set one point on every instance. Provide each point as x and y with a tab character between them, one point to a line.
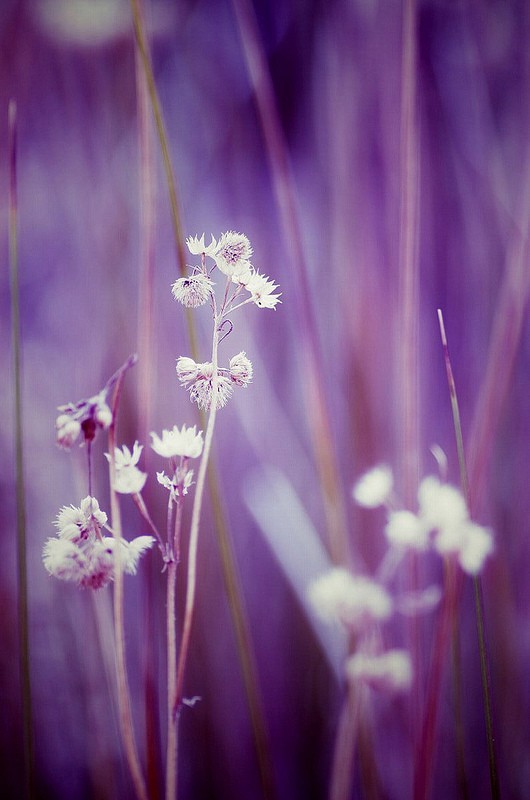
337	77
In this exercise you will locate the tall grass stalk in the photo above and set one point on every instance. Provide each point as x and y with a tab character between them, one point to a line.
317	410
124	697
22	569
171	757
232	583
345	745
477	587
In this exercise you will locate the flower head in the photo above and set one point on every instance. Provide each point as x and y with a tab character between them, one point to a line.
261	289
83	522
129	479
404	529
353	600
390	671
197	247
185	442
374	487
232	253
193	291
201	392
187	369
240	369
178	485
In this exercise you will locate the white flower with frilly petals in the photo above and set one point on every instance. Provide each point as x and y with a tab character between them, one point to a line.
68	430
193	291
405	529
130	552
201	392
178	485
75	523
185	442
391	671
374	487
261	289
353	600
129	479
197	247
240	369
232	253
187	369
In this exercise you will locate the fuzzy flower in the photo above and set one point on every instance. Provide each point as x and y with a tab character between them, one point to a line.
353	600
261	289
232	253
441	505
86	416
80	554
187	369
197	247
178	485
193	291
185	442
201	392
129	479
240	369
390	671
404	529
68	430
374	487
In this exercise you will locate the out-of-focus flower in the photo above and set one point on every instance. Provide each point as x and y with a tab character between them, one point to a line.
185	442
390	671
441	505
261	289
85	416
79	553
405	529
353	600
129	479
232	253
193	291
178	485
197	247
68	430
374	487
240	369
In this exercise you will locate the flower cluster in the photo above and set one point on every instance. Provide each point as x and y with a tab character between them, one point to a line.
198	379
442	521
85	416
185	443
81	554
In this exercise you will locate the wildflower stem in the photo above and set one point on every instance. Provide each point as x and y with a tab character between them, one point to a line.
142	508
23	614
171	758
124	700
89	464
345	745
479	603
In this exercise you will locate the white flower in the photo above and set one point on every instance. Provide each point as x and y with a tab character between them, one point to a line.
187	369
391	671
405	529
240	369
193	291
232	253
185	442
64	560
178	485
201	391
471	543
441	505
130	552
103	415
353	600
86	521
261	289
197	247
374	487
129	479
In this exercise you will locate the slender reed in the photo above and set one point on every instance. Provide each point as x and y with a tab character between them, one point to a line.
477	586
171	758
314	395
124	699
22	571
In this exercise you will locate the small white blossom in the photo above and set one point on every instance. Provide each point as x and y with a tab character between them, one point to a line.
390	671
240	369
197	247
103	415
201	392
261	290
193	291
185	442
187	369
405	529
232	253
471	543
441	505
129	479
130	552
74	523
68	430
178	485
374	487
353	600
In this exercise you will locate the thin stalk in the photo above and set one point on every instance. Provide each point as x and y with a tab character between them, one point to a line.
345	745
232	584
124	697
22	570
171	759
314	395
479	602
